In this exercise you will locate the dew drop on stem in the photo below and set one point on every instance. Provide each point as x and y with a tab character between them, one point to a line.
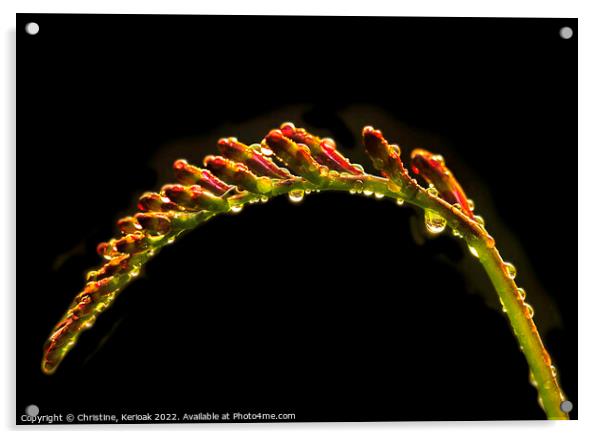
433	191
296	196
510	269
522	293
434	222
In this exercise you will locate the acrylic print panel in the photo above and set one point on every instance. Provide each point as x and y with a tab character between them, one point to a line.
323	299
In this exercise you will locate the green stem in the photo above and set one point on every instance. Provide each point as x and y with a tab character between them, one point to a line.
538	358
526	333
475	235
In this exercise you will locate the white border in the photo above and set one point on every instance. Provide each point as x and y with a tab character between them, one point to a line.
590	161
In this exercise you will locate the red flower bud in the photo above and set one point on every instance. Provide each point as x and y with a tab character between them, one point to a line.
256	162
323	150
194	198
238	174
384	157
295	156
188	175
432	168
154	223
128	225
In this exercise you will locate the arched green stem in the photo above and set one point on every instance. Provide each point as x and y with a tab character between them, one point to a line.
179	209
475	236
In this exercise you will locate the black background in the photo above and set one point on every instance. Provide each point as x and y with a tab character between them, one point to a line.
340	309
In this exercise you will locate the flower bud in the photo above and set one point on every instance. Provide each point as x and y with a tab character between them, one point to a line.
257	163
323	150
190	175
295	156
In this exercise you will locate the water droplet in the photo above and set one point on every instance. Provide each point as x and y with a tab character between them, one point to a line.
510	269
554	371
548	384
392	186
395	149
522	293
368	192
378	195
266	151
434	222
172	239
503	306
236	209
470	204
323	171
432	191
400	201
296	196
479	219
532	379
264	199
457	206
456	233
530	310
358	186
135	272
307	191
359	167
333	174
540	401
473	251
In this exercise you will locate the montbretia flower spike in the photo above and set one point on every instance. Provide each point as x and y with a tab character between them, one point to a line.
291	161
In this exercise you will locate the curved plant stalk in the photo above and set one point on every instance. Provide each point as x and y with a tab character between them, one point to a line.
248	174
